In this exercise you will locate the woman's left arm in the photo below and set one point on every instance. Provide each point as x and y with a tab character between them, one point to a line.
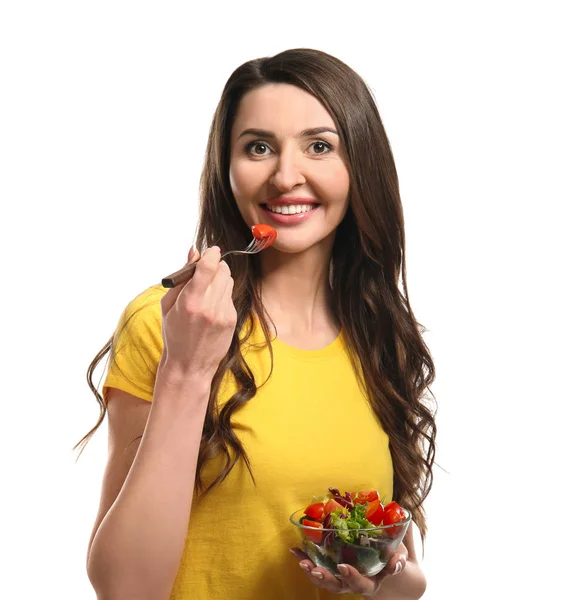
410	583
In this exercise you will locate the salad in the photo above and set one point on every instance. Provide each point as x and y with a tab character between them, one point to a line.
356	528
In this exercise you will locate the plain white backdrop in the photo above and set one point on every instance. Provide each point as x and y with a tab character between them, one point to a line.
104	116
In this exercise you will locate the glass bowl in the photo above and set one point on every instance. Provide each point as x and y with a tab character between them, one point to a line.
369	553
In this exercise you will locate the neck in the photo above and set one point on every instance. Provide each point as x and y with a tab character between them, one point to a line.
296	292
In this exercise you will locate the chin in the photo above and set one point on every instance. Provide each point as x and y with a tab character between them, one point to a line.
298	244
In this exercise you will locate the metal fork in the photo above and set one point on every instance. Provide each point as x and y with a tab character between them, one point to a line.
187	272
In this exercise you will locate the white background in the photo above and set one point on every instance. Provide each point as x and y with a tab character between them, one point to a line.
104	116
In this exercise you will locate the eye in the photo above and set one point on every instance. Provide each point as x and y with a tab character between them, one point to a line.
322	147
261	146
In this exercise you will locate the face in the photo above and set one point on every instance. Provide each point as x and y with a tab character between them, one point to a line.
287	168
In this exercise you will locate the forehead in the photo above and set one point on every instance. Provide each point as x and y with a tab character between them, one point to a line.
282	108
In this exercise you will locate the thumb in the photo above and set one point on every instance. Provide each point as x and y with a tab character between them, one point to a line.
193	255
395	564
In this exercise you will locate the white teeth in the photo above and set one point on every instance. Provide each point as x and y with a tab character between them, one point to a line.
291	209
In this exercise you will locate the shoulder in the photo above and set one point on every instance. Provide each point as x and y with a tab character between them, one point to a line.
147	301
137	345
141	318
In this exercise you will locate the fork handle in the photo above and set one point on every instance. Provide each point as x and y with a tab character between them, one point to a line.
181	276
184	274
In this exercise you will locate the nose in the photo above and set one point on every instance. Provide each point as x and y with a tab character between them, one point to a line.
287	174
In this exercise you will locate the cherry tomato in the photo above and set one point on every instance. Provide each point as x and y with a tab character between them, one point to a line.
393	505
375	512
315	511
315	536
364	497
262	231
391	517
332	506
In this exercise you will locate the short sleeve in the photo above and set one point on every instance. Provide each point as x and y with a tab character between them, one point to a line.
137	346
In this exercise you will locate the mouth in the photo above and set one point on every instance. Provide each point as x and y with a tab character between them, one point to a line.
289	209
289	214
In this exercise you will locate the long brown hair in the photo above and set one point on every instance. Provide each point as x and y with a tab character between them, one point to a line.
367	263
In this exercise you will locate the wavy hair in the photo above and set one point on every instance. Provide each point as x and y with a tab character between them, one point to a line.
385	341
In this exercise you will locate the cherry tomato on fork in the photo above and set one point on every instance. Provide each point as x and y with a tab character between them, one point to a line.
262	231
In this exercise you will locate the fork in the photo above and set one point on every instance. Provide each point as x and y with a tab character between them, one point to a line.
187	272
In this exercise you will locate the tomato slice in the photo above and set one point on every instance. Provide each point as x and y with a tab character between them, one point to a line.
332	506
375	512
315	511
368	496
315	536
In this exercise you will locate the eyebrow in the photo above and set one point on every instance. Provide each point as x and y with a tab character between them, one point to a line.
306	133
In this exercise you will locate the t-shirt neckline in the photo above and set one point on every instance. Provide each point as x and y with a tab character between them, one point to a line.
332	349
329	350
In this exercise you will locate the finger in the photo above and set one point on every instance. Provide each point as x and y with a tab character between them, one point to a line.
221	287
318	575
395	565
193	255
355	581
305	562
227	303
299	554
326	580
170	297
204	273
401	555
402	550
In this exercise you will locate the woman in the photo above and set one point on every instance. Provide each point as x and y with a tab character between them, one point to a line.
234	398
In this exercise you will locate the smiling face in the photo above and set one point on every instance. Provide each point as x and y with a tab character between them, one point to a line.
286	166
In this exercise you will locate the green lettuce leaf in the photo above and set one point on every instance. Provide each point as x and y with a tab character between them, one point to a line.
341	526
358	516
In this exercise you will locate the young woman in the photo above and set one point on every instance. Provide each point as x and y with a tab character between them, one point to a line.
236	397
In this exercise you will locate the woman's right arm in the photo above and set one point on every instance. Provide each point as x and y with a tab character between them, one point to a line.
138	542
137	547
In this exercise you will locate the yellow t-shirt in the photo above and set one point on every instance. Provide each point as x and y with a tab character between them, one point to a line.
309	427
